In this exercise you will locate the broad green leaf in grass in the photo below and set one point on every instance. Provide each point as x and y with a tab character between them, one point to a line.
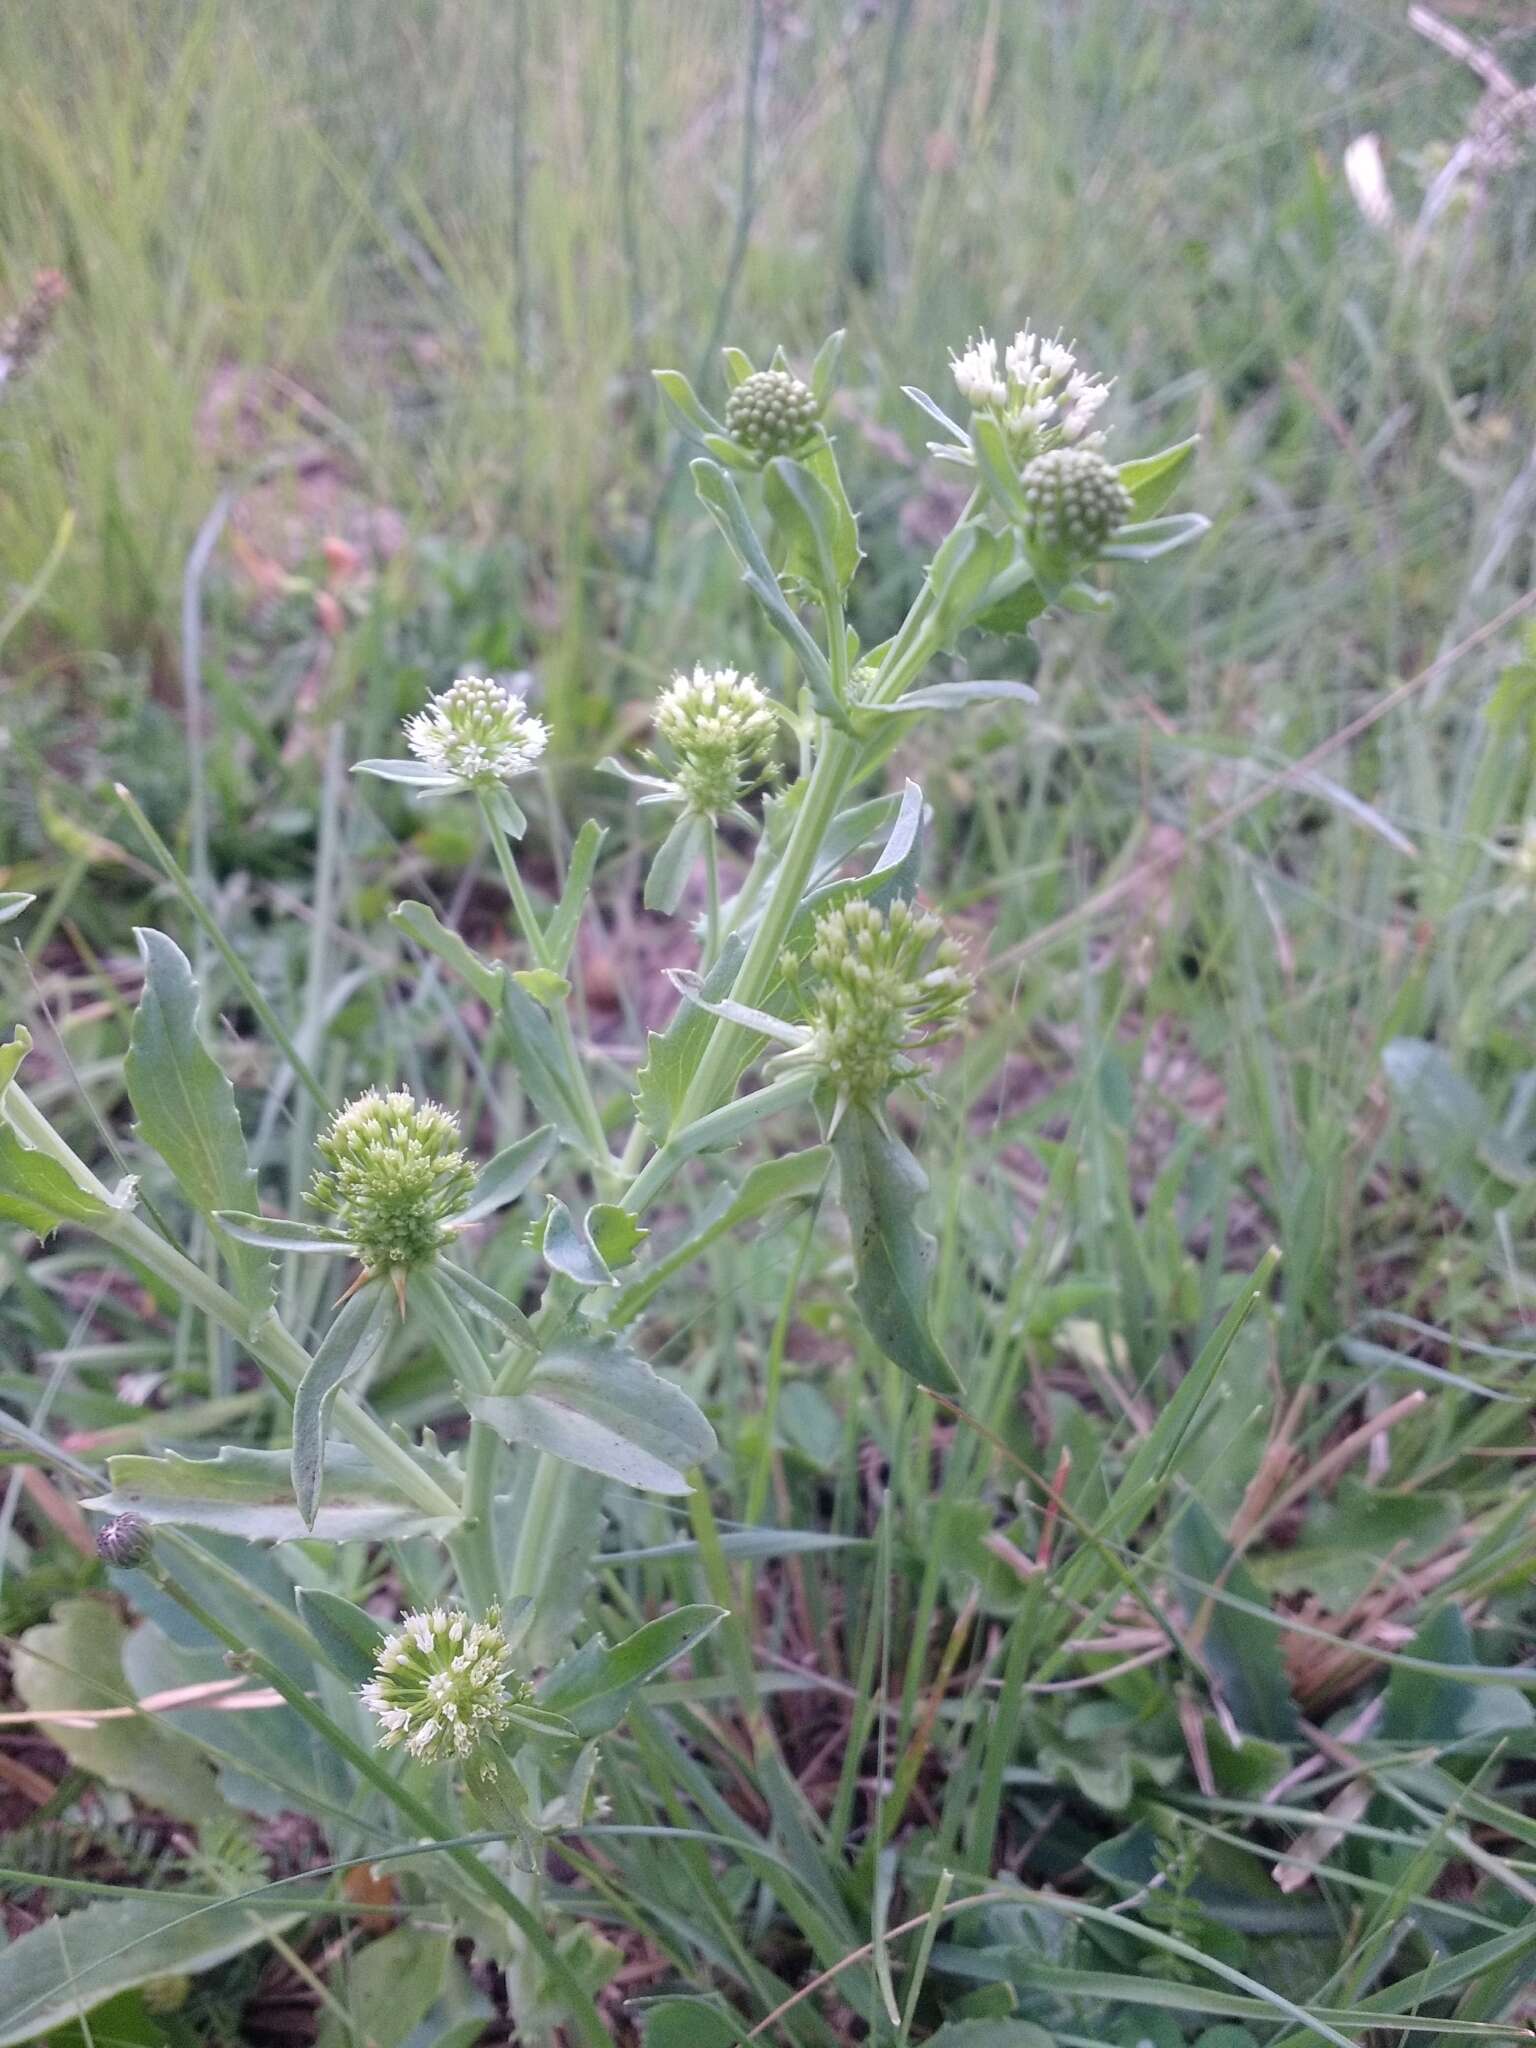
593	1402
882	1185
1345	1536
1449	1124
1153	479
674	861
354	1342
795	1178
1424	1707
346	1635
70	1965
76	1660
249	1493
690	2023
13	902
1241	1651
673	1054
593	1688
186	1111
386	1988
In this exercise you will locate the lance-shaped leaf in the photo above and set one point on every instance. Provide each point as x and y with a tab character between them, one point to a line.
672	1055
820	540
355	1341
482	1300
1240	1647
347	1636
595	1403
509	1174
1153	479
682	402
955	696
565	919
593	1688
674	861
185	1108
937	414
416	774
13	902
282	1233
882	1185
893	874
250	1494
433	936
1150	538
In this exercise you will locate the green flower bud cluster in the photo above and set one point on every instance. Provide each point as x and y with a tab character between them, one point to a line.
720	728
772	413
1075	499
885	984
395	1172
477	732
441	1686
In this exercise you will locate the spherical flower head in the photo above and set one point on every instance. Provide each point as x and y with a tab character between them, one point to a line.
1038	393
1075	499
440	1685
477	731
720	728
394	1173
772	413
887	984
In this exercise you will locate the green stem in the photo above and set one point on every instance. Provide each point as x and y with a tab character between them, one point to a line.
473	1544
419	1815
716	1071
712	910
538	946
530	1557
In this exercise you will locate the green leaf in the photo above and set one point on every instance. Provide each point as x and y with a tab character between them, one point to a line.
186	1111
824	368
423	925
814	523
991	2034
674	861
13	902
70	1965
953	697
690	2023
1422	1707
1015	613
1448	1122
565	920
347	1637
722	501
613	1234
800	1175
355	1341
569	1250
673	1054
39	1193
882	1185
387	1988
593	1689
1151	538
1241	1650
548	989
995	467
282	1233
484	1301
893	875
683	404
250	1494
593	1402
1153	479
76	1660
509	1174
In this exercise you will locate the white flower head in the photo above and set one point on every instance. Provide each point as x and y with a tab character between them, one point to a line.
476	734
1040	395
719	728
441	1685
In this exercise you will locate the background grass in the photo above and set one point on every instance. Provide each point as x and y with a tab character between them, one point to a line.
399	276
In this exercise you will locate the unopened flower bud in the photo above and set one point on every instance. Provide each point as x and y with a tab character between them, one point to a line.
1075	499
441	1686
887	984
395	1172
772	413
125	1541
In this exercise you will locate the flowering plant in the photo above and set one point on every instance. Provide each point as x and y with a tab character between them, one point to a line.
820	989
